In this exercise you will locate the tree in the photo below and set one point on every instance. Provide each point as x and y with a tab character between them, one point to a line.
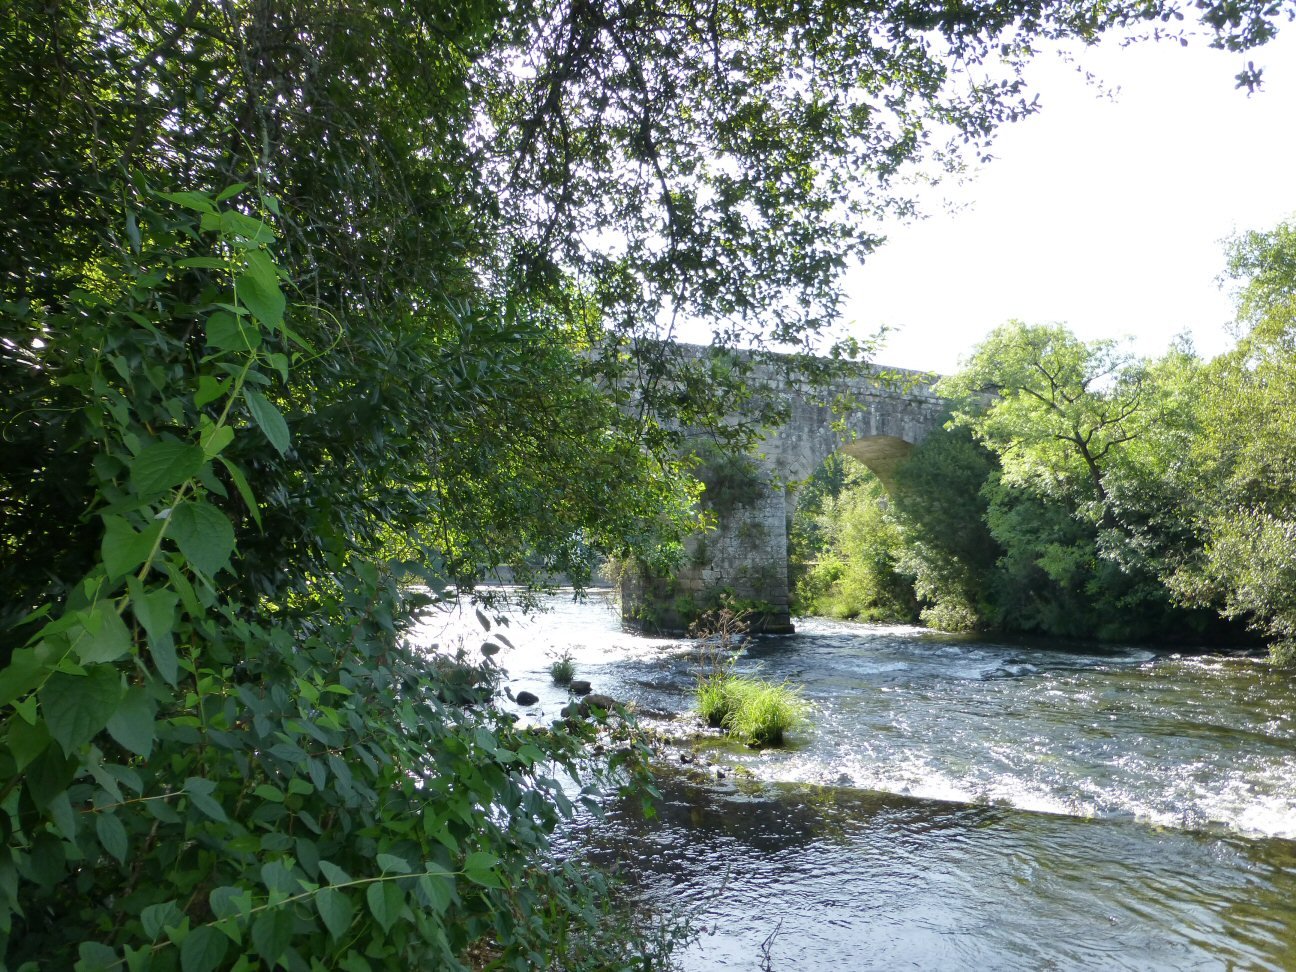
1054	408
1239	477
940	500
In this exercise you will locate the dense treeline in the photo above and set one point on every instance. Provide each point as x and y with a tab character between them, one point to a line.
301	301
1083	493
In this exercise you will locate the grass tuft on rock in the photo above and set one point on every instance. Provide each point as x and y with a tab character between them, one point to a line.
562	669
753	710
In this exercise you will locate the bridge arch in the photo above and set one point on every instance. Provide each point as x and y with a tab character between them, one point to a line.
880	415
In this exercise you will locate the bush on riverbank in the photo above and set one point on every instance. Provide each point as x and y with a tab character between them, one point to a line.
751	709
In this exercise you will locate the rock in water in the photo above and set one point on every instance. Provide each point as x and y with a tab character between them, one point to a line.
580	687
525	699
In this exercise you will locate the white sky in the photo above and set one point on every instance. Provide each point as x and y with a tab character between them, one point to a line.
1107	216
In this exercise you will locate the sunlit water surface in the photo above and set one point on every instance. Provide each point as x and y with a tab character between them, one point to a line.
955	804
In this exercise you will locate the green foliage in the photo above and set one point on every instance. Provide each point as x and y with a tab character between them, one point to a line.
197	775
730	479
1052	407
757	712
847	547
940	503
1239	481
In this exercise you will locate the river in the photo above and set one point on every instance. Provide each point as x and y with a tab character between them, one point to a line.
954	803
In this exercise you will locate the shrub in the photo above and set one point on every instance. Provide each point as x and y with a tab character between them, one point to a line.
751	709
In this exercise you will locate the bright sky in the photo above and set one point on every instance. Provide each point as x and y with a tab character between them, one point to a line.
1107	216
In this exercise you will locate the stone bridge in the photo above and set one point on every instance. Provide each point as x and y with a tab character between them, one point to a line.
876	415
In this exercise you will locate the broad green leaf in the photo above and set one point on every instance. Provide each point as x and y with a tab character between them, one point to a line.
199	202
203	263
235	224
95	957
278	876
132	723
26	742
385	902
271	933
439	890
132	230
64	817
112	835
163	465
23	673
334	873
215	438
199	792
229	192
204	535
228	332
244	490
210	389
123	547
100	635
267	792
76	707
158	917
479	868
258	288
155	611
202	950
138	959
390	863
228	901
269	419
336	909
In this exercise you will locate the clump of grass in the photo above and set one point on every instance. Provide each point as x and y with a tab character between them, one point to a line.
562	669
753	710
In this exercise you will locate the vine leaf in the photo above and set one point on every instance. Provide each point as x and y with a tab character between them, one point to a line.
76	707
270	420
123	547
202	950
112	835
100	635
199	792
204	535
385	901
336	910
132	723
163	465
258	287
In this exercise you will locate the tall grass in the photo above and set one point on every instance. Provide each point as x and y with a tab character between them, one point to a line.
755	711
562	669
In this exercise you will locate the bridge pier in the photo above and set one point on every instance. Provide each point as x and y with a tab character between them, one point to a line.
742	563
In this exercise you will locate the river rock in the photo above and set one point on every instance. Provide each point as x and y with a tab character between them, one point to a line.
525	698
580	687
586	705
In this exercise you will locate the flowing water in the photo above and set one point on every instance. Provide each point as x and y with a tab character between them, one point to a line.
957	804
